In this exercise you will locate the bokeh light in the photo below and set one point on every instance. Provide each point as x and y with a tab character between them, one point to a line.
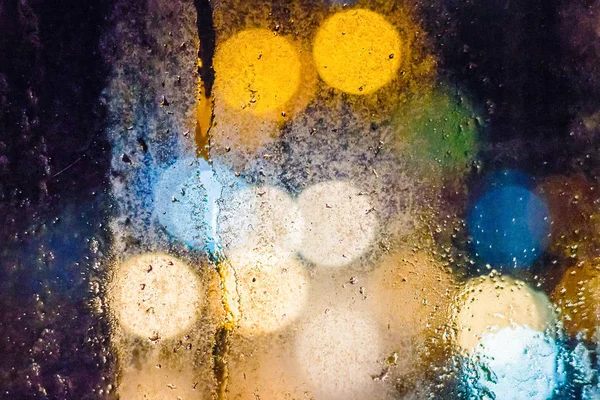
411	293
257	70
577	297
509	225
263	368
584	370
184	202
487	304
440	128
338	353
515	364
339	223
155	295
348	292
573	204
263	80
263	219
357	51
272	291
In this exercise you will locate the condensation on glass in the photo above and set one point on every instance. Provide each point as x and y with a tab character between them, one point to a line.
346	200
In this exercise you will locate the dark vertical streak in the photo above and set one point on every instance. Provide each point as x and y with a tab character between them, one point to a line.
220	351
206	34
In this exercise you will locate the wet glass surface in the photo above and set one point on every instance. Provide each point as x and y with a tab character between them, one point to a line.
299	199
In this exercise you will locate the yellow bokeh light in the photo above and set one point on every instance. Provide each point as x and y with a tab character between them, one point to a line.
357	51
257	70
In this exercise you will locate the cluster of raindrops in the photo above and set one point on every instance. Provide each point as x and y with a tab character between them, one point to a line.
301	211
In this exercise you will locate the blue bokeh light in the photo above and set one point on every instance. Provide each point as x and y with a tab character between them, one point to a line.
509	225
186	203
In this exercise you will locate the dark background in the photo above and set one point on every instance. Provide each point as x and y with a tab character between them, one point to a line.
54	161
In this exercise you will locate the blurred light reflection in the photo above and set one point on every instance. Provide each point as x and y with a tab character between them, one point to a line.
510	225
272	290
185	202
515	364
577	295
357	51
340	223
155	296
487	305
338	353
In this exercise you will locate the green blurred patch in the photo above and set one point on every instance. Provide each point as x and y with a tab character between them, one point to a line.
439	128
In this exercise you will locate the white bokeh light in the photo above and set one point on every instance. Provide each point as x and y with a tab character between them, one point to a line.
155	295
338	353
272	291
262	219
516	363
340	223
